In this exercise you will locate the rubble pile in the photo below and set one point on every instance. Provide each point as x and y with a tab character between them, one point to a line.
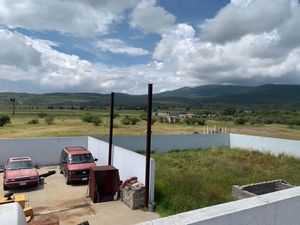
132	193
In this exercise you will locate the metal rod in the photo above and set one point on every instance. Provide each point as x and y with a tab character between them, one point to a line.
112	102
148	146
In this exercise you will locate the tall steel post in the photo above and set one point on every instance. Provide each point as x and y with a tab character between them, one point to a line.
112	102
148	146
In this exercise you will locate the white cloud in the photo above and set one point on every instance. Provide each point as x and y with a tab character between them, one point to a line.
118	46
151	18
50	70
82	18
238	19
266	56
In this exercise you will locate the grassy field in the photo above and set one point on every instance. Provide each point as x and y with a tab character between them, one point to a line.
189	180
69	123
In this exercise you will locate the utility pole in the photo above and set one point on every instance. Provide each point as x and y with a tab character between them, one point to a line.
13	100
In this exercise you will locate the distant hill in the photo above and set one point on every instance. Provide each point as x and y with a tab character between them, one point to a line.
264	96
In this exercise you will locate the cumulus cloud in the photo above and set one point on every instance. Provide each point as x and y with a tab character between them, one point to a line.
150	17
246	17
41	68
118	46
266	55
82	18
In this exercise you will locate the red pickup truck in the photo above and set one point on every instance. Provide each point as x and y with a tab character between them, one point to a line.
18	172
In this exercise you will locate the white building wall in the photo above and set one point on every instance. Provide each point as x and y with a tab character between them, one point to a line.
44	151
266	144
129	163
277	208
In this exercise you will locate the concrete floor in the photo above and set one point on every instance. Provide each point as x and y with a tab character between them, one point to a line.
70	205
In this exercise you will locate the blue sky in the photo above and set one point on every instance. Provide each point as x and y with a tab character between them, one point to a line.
121	45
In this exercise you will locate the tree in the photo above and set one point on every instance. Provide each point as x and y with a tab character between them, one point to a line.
13	100
4	120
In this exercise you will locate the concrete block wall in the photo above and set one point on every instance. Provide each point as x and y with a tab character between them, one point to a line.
280	208
44	151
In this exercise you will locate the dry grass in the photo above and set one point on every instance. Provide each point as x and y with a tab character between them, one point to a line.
68	123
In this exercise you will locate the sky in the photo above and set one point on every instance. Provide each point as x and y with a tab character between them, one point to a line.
122	45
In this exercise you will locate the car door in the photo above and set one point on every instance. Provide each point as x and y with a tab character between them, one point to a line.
63	162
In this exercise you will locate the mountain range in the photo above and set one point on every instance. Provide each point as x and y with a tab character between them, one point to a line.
208	96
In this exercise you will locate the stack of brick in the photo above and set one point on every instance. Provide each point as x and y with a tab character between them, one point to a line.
132	193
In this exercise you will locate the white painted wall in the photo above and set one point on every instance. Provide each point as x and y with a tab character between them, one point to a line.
12	214
165	143
129	163
99	150
132	164
266	144
44	151
278	208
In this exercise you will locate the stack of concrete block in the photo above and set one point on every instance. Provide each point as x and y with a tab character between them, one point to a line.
132	194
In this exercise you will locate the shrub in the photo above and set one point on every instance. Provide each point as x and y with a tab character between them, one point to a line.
130	120
96	121
194	121
4	120
240	121
49	120
42	114
90	118
33	121
144	116
116	115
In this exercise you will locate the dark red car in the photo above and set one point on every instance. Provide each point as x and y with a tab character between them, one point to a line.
19	172
75	164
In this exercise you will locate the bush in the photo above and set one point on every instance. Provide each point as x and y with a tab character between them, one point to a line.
49	120
144	116
42	114
90	118
240	121
34	121
116	115
4	120
96	121
130	120
194	121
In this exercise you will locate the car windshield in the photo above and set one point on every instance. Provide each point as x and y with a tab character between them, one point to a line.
82	158
20	165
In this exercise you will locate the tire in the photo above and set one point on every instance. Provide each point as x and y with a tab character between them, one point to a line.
67	180
5	188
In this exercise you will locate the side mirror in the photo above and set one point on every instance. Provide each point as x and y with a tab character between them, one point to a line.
2	170
95	159
37	167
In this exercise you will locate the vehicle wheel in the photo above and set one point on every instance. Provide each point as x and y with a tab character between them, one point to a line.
67	180
5	188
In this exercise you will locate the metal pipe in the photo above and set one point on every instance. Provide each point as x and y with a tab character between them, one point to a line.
148	146
112	102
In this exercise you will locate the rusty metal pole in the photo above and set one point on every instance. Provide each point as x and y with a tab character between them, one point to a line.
112	102
148	146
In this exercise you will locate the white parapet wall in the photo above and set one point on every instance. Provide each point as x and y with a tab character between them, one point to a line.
165	143
129	163
266	144
44	151
277	208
